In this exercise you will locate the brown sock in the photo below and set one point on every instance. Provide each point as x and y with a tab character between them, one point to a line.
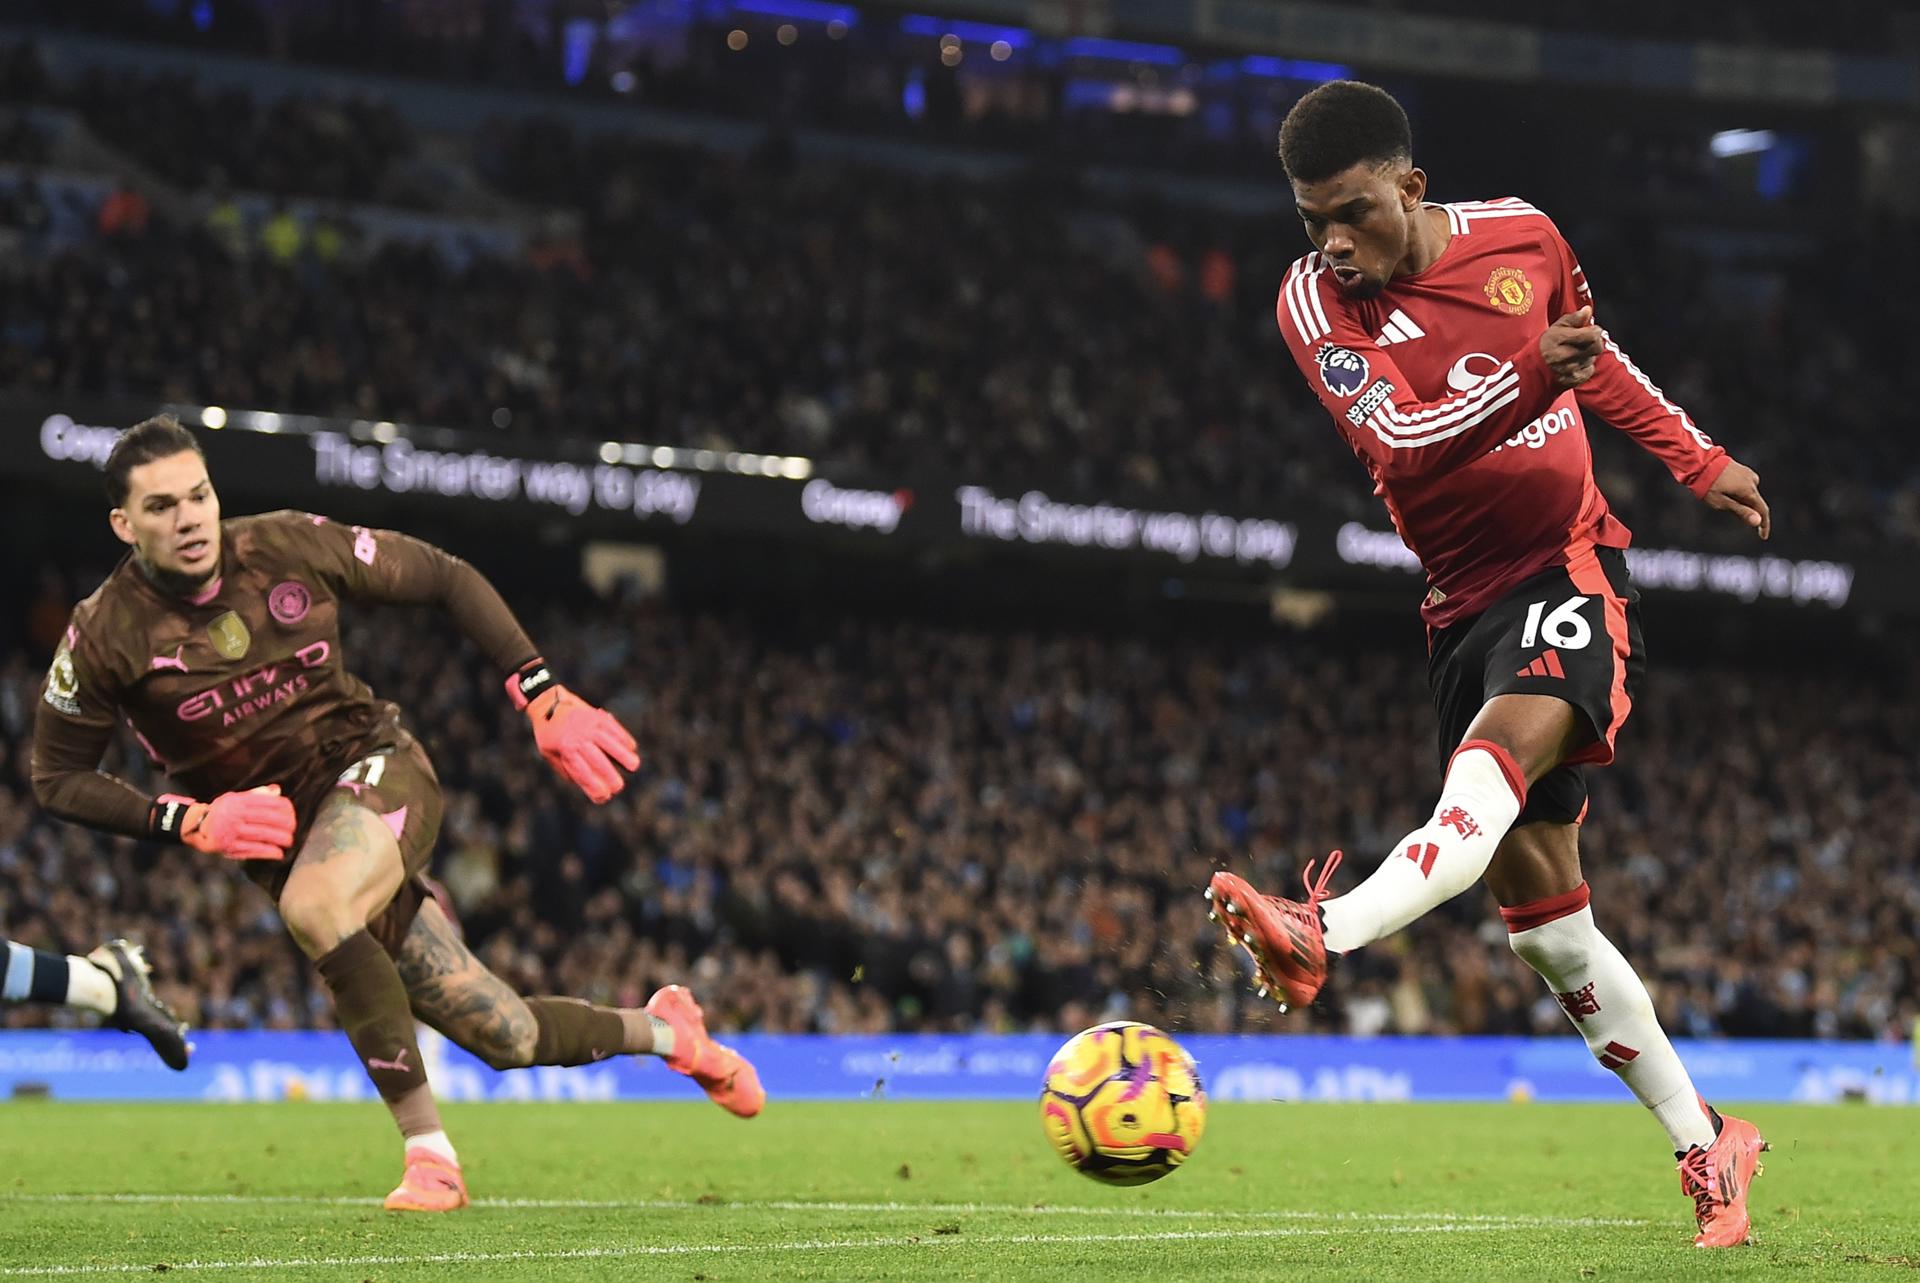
573	1032
372	1003
416	1113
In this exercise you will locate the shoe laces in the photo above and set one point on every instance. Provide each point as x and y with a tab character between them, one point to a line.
1317	888
1700	1179
1307	912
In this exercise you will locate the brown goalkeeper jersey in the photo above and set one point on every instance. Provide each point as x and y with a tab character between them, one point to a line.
244	684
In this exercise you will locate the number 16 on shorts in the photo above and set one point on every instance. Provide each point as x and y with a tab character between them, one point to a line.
1563	628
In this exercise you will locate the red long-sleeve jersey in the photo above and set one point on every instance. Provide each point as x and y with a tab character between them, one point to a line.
1439	386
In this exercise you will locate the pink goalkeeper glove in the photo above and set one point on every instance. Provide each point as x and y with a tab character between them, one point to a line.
580	741
255	825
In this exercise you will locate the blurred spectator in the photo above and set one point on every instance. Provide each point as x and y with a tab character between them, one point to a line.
124	213
224	221
282	236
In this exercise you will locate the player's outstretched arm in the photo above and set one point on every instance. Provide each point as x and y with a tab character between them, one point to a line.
1616	390
583	743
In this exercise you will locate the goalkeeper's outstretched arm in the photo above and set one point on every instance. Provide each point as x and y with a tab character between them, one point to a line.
583	743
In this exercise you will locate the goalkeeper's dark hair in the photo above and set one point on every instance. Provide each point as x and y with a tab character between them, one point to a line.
160	437
1341	124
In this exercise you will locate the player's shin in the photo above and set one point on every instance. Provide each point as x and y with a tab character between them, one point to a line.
1608	1004
372	1004
575	1032
31	975
1479	802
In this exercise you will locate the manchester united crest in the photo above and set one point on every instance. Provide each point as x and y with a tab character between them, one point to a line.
1509	290
230	635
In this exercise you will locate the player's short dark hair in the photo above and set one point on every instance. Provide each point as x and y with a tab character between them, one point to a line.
160	437
1341	124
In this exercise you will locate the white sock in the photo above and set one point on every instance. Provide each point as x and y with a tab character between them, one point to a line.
1478	803
1608	1004
662	1036
435	1141
91	986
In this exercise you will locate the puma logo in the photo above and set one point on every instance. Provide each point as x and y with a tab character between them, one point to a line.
398	1064
171	661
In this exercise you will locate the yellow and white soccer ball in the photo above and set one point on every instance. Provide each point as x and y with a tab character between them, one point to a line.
1123	1103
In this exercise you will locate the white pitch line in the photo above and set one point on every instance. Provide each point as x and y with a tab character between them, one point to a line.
730	1249
801	1205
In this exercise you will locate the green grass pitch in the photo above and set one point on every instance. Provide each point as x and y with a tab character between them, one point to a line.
893	1190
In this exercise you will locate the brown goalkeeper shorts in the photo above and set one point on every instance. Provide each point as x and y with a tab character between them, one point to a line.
397	784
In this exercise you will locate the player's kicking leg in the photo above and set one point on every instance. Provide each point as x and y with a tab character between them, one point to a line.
1535	876
454	992
111	980
1515	739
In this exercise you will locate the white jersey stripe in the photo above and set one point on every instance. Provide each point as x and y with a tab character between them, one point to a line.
1466	402
1390	422
1310	319
1466	415
1310	283
1406	443
1286	298
1464	212
1296	304
1451	404
1289	291
1700	438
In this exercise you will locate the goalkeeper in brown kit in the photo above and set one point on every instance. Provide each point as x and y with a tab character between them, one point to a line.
219	641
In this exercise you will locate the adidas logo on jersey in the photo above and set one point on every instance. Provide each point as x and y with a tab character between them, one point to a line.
1400	328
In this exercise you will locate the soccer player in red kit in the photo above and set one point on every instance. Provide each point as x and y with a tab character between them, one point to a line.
219	641
1456	348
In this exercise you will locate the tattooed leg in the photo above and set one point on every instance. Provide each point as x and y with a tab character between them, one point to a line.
348	870
454	992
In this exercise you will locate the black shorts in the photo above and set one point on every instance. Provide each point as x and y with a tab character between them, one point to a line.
1572	632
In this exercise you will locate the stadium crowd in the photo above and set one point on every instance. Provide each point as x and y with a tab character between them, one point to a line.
871	826
339	146
1007	331
1015	329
